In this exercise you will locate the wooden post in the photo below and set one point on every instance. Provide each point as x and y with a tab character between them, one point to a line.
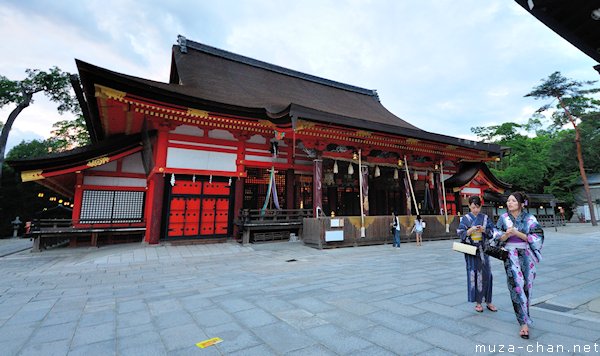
154	198
238	204
289	189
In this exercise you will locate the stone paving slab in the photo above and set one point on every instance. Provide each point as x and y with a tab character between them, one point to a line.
138	299
14	245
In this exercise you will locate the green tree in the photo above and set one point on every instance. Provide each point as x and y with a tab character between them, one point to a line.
498	133
563	173
34	148
55	84
575	105
528	160
71	133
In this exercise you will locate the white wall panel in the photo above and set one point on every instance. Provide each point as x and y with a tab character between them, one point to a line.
188	130
114	181
265	159
107	167
133	164
257	139
221	134
201	160
208	145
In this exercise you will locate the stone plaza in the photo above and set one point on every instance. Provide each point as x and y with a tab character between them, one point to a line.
288	299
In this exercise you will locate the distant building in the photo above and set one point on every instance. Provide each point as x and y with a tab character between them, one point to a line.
582	209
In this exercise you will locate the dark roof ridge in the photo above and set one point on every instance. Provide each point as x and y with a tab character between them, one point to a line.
277	69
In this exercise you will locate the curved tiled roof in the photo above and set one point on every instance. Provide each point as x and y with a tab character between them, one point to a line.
229	78
468	170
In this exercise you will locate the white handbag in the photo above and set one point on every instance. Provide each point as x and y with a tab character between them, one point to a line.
464	248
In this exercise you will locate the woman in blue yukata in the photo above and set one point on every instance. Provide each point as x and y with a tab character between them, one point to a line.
519	233
475	229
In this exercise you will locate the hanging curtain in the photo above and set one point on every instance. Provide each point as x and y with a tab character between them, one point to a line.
269	189
365	189
275	198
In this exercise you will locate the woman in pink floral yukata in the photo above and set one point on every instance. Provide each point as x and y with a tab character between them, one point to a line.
519	233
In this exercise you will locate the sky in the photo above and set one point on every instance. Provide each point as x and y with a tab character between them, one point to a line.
444	66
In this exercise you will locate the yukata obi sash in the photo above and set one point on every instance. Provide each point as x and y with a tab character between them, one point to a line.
527	224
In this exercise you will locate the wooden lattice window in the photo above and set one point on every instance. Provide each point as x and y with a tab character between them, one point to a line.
107	206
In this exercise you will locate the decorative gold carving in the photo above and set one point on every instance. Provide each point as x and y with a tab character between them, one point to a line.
303	125
98	161
362	133
412	141
198	113
29	176
451	147
106	92
266	123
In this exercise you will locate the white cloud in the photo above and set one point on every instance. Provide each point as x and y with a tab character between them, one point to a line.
442	65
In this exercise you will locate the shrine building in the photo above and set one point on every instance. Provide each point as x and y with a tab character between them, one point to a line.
184	159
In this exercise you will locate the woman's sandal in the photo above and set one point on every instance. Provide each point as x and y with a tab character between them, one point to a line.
479	308
524	334
491	308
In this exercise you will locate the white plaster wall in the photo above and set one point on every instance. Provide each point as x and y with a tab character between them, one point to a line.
133	163
201	160
107	167
221	134
188	130
258	139
114	181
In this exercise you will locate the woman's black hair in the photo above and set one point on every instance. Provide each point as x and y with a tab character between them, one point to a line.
419	217
521	197
475	200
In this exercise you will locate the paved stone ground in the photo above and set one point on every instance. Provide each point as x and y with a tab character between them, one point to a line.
10	246
374	300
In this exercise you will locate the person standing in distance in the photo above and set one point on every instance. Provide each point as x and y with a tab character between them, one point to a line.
396	229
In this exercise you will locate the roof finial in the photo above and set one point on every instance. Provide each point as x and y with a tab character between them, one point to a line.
182	42
376	94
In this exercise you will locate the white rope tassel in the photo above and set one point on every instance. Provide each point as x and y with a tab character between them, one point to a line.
412	192
172	179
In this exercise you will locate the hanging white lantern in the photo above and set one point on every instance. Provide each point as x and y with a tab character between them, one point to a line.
350	169
230	181
377	171
335	167
210	179
194	178
395	173
172	179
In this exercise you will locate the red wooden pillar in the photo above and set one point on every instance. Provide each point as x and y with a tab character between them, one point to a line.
290	189
77	199
156	186
238	203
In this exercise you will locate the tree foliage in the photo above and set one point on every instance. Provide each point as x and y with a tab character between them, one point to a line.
54	84
572	106
71	133
543	152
